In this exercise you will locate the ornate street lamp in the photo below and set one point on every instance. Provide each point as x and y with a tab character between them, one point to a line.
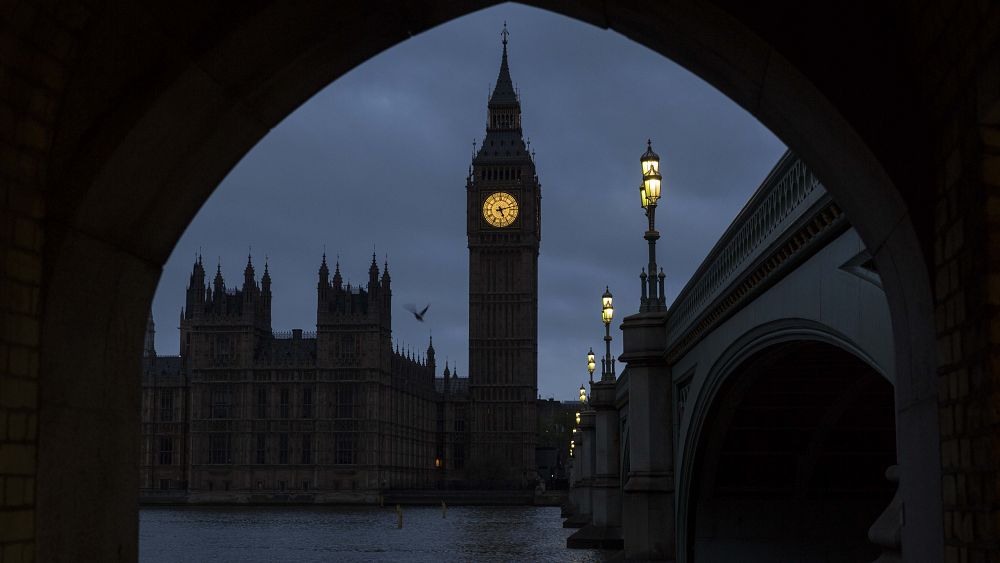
583	399
591	364
607	313
653	298
578	418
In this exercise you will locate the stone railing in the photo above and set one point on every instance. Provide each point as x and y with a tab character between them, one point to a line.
782	201
289	334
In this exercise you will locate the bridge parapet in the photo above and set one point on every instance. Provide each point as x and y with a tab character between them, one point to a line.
789	196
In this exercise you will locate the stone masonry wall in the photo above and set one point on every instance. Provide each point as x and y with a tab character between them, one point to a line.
36	44
964	84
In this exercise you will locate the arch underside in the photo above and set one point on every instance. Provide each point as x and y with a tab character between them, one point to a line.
164	100
791	463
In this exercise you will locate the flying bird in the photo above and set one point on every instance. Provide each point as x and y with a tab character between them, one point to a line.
419	315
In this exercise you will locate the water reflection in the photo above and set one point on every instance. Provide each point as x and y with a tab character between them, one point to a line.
309	534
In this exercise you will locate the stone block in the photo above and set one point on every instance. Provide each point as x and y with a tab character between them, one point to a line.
19	362
20	329
23	265
27	234
991	170
13	488
12	552
16	525
18	393
33	134
949	489
17	459
16	424
28	203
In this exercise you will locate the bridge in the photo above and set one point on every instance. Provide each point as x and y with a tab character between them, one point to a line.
754	420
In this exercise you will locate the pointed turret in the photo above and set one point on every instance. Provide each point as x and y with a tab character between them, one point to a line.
218	284
249	281
447	378
219	287
265	280
373	276
195	298
431	361
337	279
324	273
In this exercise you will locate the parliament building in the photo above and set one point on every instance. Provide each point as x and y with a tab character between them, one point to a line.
246	413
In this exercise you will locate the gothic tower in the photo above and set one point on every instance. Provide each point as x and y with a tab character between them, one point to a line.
504	230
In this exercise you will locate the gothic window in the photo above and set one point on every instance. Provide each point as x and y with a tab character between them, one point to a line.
307	448
219	451
458	459
345	400
344	448
166	405
261	449
283	405
222	401
283	448
262	402
307	402
166	451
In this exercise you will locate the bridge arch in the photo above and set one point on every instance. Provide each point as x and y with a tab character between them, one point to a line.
136	135
746	371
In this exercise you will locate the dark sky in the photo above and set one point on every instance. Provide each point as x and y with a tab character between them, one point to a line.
379	159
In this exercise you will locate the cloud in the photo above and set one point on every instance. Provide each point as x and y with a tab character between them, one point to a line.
379	158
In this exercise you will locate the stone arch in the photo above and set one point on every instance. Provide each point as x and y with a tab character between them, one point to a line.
127	167
743	348
703	422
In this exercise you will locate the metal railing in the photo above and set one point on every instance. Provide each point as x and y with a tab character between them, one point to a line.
787	192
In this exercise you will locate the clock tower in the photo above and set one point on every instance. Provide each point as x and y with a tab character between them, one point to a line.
504	230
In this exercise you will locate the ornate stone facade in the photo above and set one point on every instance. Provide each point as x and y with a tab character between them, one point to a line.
504	230
249	414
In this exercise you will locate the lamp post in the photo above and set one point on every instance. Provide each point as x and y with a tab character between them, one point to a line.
607	313
583	397
591	364
649	192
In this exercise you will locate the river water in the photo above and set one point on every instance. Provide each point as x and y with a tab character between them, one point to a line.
313	534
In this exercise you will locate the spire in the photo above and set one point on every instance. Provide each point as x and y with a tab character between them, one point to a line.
373	275
218	277
324	272
337	279
265	280
504	93
248	276
431	360
447	371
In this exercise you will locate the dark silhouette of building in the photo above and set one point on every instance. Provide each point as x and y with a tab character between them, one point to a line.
504	230
246	413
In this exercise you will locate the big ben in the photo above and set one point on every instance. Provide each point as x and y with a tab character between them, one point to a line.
504	230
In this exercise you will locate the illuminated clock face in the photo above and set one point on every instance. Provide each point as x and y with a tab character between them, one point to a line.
500	209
